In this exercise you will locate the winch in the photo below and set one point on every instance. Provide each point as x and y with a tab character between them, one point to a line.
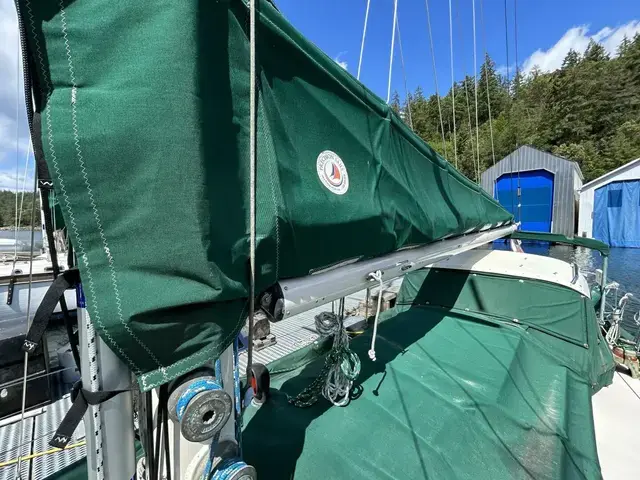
200	405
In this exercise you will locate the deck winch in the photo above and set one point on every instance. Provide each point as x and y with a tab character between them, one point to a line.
234	469
200	406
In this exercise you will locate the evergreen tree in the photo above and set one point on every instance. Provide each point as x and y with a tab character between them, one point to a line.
624	46
496	99
571	60
8	208
587	111
595	52
395	102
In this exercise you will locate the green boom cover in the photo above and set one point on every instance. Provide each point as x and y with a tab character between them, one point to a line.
144	124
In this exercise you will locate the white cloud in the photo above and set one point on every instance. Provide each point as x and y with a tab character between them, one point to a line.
503	70
342	63
578	38
12	113
8	181
8	47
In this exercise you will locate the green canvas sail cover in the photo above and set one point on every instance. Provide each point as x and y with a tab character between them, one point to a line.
143	118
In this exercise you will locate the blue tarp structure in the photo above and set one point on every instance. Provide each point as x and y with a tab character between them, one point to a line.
616	214
536	198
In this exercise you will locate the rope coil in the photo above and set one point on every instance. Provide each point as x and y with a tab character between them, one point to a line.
341	368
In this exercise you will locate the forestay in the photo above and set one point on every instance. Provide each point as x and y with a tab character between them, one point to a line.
142	115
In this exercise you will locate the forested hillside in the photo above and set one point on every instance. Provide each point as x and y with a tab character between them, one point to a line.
8	208
588	111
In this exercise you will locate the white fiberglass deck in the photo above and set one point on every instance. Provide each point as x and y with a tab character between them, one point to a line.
616	415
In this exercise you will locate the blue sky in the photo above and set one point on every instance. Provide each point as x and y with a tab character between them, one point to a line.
546	31
336	27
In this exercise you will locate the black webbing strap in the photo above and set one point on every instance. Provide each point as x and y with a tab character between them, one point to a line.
44	178
55	294
74	416
10	289
48	224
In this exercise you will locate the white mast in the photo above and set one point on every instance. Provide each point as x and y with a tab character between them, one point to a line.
109	426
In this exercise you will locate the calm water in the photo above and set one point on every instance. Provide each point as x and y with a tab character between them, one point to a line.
624	268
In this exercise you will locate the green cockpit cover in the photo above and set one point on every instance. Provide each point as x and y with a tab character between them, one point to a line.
458	390
591	243
142	112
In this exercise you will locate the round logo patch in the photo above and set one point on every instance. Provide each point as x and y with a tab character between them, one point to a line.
332	172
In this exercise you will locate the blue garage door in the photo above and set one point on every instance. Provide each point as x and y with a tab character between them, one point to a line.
536	198
616	212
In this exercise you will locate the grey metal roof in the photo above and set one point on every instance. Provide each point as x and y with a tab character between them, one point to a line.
567	180
529	151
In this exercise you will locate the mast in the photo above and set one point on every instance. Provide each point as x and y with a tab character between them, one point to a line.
109	426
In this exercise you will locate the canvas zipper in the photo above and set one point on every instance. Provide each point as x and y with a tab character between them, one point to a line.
25	67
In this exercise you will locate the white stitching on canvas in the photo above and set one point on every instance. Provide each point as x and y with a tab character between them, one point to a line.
92	201
54	159
208	351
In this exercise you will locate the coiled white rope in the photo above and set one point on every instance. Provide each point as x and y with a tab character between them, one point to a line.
341	368
346	365
377	275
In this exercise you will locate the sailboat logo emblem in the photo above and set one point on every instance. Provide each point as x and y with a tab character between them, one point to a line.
332	172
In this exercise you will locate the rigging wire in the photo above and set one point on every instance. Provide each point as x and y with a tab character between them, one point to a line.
515	93
630	387
364	34
466	87
19	221
506	42
40	454
453	88
404	76
252	178
393	39
35	376
24	184
475	90
435	77
32	440
15	248
26	354
486	76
